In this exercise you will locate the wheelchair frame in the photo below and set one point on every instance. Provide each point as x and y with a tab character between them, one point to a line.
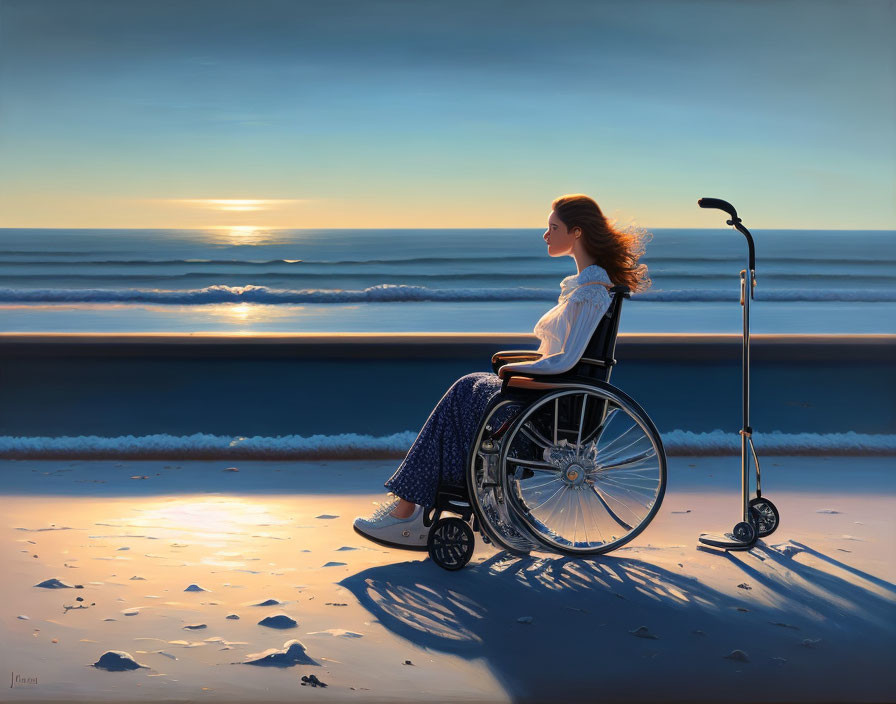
452	540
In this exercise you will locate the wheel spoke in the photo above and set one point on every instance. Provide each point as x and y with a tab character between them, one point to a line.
616	453
634	426
653	468
534	464
552	470
548	499
556	417
536	437
647	454
548	482
555	500
627	487
589	497
581	423
608	491
610	511
608	418
584	517
610	495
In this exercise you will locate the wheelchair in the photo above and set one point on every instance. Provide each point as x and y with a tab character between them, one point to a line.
577	468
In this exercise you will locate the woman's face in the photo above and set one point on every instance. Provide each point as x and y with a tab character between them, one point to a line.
560	240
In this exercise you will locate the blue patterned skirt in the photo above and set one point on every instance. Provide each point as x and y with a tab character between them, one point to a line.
442	446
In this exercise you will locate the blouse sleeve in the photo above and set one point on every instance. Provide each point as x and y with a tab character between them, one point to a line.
580	318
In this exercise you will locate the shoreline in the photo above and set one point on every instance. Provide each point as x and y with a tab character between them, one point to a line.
677	443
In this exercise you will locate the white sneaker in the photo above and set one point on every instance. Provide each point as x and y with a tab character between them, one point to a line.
407	533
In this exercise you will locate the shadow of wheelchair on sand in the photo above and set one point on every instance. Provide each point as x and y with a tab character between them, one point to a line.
588	629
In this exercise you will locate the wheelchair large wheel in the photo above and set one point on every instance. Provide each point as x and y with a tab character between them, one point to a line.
583	469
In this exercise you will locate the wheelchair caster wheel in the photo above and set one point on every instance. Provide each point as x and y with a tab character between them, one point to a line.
764	516
451	543
744	532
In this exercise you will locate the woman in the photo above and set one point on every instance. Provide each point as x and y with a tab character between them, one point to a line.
605	256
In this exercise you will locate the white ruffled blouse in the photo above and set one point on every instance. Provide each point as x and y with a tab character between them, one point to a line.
566	329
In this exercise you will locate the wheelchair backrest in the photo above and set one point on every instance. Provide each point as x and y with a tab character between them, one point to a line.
598	359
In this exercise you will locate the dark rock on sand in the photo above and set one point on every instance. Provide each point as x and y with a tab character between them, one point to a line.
268	602
195	588
278	621
195	626
53	584
313	681
292	653
738	655
232	617
117	661
784	625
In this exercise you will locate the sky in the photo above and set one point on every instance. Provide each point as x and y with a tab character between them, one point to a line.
418	113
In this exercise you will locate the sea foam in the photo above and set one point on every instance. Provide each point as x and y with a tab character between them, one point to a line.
357	446
399	293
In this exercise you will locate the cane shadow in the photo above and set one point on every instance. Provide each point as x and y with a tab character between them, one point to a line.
889	586
800	588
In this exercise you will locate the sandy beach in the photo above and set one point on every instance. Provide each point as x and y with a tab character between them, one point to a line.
157	558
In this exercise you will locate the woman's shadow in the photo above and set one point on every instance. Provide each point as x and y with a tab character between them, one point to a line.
581	629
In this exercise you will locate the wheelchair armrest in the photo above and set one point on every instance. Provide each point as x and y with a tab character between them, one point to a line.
499	359
537	382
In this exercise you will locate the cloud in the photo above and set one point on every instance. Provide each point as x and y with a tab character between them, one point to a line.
237	204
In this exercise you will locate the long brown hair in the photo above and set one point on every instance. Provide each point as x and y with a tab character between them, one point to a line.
616	249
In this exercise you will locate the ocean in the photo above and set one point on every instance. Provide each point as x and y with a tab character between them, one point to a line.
243	280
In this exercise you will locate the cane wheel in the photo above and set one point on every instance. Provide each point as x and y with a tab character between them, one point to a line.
744	532
764	516
584	469
451	543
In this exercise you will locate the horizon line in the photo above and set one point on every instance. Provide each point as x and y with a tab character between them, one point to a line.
506	227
